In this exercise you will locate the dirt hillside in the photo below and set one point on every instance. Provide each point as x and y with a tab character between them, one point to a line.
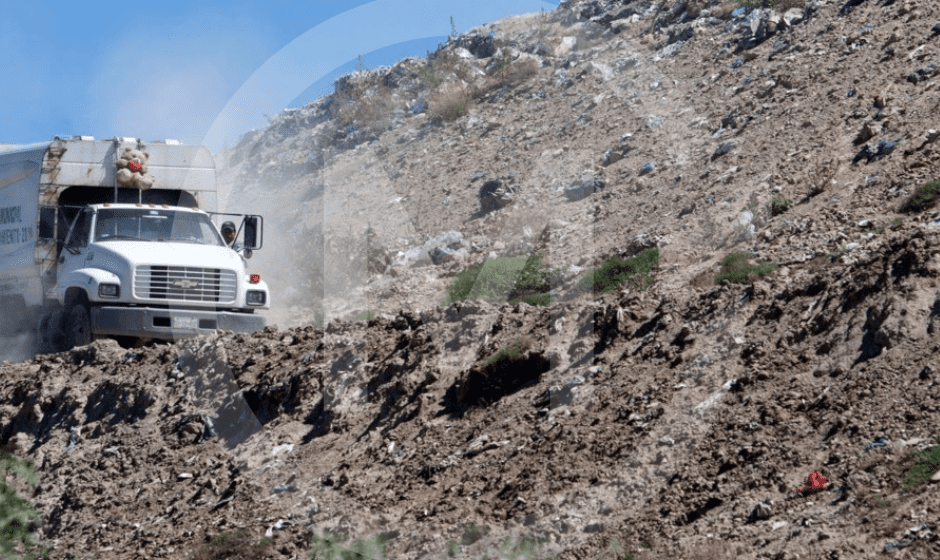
673	419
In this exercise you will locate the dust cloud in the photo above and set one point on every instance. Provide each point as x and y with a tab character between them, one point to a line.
19	334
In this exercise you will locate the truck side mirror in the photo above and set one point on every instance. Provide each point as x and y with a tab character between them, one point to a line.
253	232
47	223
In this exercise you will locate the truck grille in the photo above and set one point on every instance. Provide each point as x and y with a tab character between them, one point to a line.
185	283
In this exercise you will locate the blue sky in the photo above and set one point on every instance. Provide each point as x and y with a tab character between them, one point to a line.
201	72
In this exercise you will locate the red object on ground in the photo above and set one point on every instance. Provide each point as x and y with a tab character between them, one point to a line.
134	166
816	480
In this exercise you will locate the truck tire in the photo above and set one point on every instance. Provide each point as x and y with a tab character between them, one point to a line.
50	333
78	326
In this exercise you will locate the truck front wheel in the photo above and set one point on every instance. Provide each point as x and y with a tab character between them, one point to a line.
78	326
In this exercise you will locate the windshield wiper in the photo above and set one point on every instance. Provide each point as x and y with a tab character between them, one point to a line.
110	237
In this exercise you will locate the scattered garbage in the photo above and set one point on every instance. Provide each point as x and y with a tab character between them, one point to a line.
850	93
278	526
649	167
738	12
654	121
880	442
418	108
817	481
869	154
73	438
922	74
738	62
899	544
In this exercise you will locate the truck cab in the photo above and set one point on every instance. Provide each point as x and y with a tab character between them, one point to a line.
147	271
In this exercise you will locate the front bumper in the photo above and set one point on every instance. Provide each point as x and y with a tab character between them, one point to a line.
169	324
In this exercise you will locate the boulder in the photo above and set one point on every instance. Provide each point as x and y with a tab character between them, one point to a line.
495	194
480	46
583	187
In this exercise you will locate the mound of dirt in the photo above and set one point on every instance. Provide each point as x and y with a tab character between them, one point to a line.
678	421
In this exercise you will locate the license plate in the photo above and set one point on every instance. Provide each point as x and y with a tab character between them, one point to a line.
185	323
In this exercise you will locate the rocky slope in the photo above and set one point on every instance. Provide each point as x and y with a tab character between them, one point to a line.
677	422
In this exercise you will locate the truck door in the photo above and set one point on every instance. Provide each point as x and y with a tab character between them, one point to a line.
75	251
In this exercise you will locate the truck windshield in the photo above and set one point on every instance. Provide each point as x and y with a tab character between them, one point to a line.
155	225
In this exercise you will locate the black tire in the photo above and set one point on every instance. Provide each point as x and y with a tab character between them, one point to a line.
50	333
78	326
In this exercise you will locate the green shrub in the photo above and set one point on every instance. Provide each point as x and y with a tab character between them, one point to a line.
543	300
896	223
778	206
473	533
327	548
438	67
616	272
365	316
923	197
511	353
927	464
843	249
505	278
737	268
15	511
619	549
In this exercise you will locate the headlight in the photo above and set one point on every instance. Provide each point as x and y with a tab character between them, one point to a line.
109	290
256	297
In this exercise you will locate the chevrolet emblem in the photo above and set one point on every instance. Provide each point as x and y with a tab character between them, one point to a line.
186	284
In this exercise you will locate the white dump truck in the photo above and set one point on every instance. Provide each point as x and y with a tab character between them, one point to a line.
120	238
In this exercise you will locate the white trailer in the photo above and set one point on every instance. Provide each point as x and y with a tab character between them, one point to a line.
118	238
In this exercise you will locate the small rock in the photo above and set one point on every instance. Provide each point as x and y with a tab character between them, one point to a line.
288	447
184	476
723	149
763	510
610	157
864	135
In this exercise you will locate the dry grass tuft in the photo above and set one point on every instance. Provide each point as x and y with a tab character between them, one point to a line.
237	546
820	177
451	102
514	73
